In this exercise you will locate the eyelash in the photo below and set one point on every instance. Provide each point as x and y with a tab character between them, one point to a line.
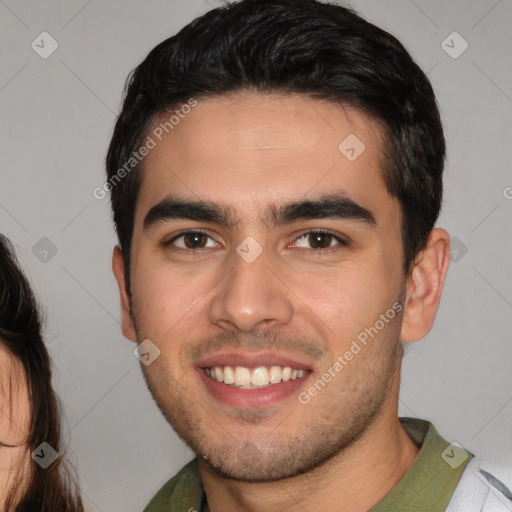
340	241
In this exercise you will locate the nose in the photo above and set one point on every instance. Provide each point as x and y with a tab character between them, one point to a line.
251	296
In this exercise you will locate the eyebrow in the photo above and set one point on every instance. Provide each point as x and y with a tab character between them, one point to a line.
336	206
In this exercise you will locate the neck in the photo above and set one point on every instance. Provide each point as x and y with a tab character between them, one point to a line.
359	477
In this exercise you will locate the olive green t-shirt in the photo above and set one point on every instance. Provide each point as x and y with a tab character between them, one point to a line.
427	486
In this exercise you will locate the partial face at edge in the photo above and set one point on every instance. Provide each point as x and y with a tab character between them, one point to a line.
301	302
15	417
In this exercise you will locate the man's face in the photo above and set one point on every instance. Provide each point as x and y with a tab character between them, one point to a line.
269	291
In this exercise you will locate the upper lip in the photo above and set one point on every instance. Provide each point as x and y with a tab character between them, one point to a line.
251	360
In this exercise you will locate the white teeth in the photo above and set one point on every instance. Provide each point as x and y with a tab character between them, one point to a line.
258	377
218	373
275	374
229	376
242	376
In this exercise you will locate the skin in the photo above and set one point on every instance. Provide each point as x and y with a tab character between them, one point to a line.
14	423
249	152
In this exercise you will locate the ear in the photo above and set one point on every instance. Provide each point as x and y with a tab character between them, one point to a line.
127	325
424	286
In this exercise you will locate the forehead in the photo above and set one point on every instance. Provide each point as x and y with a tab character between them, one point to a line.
250	150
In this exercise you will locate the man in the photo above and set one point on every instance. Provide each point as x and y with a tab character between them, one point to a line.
276	175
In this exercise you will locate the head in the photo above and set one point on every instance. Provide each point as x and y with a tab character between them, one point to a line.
275	176
30	412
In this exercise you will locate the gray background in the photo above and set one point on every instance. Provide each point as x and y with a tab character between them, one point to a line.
57	116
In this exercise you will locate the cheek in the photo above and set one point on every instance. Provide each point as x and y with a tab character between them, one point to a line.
350	298
339	293
162	300
15	472
13	461
15	417
5	462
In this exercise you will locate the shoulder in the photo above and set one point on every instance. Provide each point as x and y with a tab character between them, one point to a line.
185	485
481	490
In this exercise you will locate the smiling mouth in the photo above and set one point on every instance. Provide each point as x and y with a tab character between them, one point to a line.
242	377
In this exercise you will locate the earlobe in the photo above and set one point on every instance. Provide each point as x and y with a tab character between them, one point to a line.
127	325
424	286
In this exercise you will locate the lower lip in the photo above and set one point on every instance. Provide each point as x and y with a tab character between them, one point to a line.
251	398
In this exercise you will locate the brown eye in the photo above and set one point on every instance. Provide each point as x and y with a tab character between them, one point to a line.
192	240
319	240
